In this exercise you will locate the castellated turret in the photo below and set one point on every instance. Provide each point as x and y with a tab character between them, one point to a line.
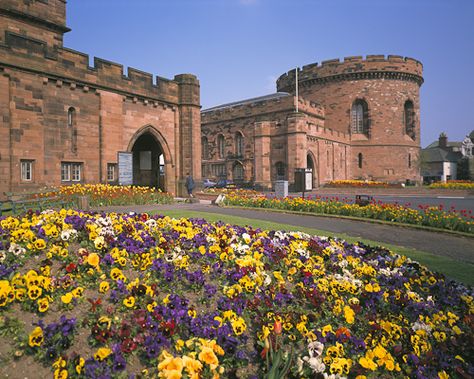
376	101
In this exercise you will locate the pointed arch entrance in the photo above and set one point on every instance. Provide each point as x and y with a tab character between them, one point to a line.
151	158
310	163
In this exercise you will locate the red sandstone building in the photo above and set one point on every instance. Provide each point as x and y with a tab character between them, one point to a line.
64	122
356	119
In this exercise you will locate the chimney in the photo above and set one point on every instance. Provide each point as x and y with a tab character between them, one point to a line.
443	141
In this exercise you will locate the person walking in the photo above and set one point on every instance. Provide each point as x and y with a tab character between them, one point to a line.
189	184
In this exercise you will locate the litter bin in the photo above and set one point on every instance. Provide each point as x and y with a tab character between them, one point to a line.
303	179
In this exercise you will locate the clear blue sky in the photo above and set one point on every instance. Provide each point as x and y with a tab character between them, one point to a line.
237	48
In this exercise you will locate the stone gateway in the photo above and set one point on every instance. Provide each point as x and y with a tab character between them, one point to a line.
64	122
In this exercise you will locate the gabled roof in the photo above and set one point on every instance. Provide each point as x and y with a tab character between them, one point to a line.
437	154
272	96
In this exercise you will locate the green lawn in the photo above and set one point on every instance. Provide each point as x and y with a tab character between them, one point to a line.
461	271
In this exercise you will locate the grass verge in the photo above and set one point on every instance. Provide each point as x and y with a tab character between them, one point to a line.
460	271
363	219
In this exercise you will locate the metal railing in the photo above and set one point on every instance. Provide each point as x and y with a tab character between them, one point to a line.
23	205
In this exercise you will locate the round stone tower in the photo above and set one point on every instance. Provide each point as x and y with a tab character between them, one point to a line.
375	100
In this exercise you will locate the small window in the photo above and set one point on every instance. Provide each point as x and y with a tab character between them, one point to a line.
239	144
409	118
76	169
238	172
360	159
280	170
218	170
221	145
359	117
65	172
111	172
71	172
26	170
204	148
327	157
409	160
71	117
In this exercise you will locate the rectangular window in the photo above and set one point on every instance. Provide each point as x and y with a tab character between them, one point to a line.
65	172
71	172
218	170
111	172
76	172
26	171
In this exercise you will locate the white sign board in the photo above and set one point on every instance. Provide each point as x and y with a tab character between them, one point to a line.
125	168
308	180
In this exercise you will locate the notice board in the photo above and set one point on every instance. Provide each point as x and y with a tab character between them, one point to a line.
125	168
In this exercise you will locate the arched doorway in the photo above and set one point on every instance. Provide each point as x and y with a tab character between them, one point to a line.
148	162
238	172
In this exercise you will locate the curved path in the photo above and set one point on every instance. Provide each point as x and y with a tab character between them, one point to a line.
443	244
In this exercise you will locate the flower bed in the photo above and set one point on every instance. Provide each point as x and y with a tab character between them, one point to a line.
359	183
96	295
454	184
106	194
426	216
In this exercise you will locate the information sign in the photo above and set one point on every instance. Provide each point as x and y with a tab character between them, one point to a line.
125	168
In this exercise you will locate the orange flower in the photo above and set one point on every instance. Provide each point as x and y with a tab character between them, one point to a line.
207	356
93	259
342	331
277	327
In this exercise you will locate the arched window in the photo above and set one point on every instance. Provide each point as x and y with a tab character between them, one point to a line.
280	170
239	144
360	159
71	124
238	172
204	148
409	118
221	145
360	117
71	117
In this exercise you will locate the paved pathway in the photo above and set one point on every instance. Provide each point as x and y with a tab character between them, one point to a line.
443	244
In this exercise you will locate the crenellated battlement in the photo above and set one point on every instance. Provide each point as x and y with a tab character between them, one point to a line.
280	102
353	68
69	65
316	132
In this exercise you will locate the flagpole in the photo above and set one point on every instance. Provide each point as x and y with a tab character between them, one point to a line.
296	84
